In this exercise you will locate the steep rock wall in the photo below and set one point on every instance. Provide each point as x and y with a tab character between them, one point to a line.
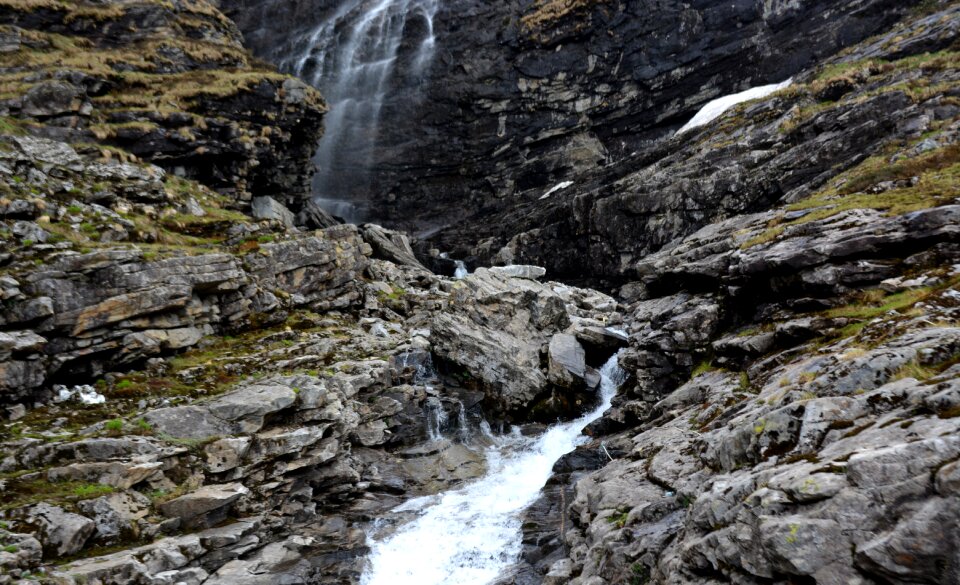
523	95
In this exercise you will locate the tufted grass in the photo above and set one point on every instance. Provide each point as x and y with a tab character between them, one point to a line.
937	172
28	490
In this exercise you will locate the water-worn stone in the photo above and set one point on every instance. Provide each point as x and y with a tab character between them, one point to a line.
567	365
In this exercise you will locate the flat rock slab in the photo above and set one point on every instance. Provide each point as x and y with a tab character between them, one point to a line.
248	405
204	503
188	422
520	271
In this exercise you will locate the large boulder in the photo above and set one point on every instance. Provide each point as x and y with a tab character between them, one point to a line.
567	364
62	533
271	209
390	245
512	337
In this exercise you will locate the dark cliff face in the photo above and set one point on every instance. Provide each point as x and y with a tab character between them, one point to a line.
523	95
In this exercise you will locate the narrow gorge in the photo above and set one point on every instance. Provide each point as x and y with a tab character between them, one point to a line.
480	292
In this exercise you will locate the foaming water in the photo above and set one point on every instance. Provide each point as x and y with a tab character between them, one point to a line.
470	535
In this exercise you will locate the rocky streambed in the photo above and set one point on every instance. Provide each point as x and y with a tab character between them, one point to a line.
206	379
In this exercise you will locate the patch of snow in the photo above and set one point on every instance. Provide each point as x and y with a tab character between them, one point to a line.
85	393
557	187
717	107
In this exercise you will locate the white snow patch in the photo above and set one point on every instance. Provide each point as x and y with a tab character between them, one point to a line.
85	393
557	187
717	107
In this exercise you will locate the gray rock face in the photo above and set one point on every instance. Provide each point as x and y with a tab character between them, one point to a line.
567	364
496	328
115	515
111	306
281	561
61	532
271	209
764	153
206	506
520	271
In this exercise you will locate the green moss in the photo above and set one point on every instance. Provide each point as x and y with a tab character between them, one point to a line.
893	302
620	519
702	368
88	491
765	237
22	492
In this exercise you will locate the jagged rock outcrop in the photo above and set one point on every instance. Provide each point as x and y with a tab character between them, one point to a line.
516	338
773	150
168	82
70	310
794	398
109	308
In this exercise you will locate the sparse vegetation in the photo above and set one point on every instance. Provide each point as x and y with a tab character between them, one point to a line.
702	368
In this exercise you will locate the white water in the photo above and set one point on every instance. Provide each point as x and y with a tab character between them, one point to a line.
469	536
717	107
461	271
352	57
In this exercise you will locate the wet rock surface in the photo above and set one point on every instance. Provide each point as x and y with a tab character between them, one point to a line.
522	96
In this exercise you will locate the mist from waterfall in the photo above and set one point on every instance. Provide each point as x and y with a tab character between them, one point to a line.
352	57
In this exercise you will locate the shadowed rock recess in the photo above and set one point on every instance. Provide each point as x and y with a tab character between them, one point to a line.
206	378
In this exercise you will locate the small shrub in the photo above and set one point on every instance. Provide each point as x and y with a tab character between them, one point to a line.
114	426
619	520
143	426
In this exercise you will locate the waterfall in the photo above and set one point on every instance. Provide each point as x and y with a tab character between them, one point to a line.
351	57
470	535
461	271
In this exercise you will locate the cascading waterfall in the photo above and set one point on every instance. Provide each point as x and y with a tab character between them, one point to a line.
469	536
351	57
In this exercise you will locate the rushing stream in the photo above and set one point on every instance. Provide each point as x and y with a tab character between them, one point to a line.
470	535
